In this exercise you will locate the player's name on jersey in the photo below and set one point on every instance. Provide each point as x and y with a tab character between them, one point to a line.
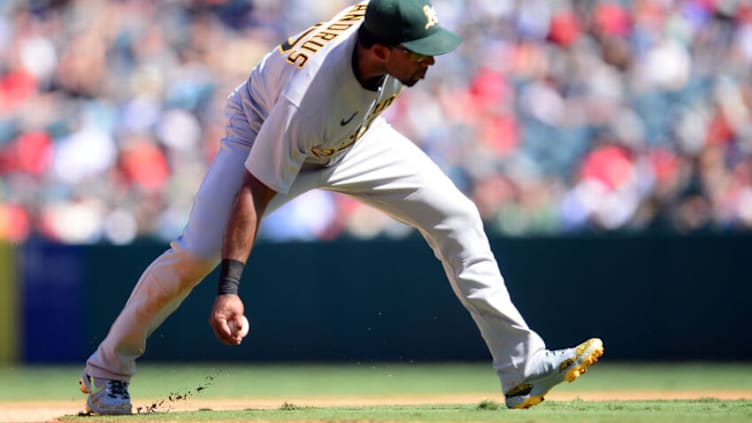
312	40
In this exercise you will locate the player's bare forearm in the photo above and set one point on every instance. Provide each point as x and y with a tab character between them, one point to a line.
240	235
245	218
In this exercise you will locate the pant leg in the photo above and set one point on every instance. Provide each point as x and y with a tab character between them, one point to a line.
389	172
169	279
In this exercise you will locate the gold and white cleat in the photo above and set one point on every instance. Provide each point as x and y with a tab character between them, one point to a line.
555	367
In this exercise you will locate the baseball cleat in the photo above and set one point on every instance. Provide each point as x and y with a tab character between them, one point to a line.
105	397
557	366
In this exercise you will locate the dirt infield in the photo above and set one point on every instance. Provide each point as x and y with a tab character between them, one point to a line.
24	412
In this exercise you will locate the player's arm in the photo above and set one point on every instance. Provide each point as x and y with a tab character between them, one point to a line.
245	218
279	150
240	236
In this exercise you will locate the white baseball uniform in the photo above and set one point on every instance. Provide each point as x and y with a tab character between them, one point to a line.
303	121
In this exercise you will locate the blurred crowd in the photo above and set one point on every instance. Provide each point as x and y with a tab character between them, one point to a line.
554	116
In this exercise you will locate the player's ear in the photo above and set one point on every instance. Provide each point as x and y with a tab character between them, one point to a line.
381	51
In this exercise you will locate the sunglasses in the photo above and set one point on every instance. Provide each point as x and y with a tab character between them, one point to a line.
415	57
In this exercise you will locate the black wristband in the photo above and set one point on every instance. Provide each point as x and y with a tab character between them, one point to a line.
230	272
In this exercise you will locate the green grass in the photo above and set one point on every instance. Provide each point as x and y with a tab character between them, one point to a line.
261	380
224	380
282	382
554	412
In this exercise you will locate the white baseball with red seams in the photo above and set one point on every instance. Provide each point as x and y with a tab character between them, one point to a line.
244	327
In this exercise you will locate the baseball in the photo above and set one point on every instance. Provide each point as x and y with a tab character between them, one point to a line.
243	328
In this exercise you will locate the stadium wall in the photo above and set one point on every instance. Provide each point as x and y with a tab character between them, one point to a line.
648	297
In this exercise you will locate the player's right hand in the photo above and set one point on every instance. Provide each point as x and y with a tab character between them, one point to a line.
226	308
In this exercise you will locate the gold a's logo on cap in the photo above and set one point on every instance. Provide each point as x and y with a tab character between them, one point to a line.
431	17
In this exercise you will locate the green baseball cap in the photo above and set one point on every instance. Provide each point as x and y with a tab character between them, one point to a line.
412	23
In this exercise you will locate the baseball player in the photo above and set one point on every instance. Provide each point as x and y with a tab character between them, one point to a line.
309	117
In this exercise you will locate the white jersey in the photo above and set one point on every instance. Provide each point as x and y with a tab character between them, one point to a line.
307	105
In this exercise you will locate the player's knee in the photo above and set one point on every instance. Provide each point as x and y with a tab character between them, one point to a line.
460	235
207	250
187	267
467	218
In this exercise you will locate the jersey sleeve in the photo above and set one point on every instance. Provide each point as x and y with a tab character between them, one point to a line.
280	148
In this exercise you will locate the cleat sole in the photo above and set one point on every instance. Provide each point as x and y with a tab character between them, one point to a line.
530	402
588	361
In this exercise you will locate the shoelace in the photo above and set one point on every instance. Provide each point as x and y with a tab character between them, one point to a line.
553	359
117	389
557	353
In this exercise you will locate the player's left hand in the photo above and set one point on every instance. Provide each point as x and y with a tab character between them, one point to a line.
226	308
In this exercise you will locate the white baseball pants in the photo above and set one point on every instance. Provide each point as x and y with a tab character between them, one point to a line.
385	170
